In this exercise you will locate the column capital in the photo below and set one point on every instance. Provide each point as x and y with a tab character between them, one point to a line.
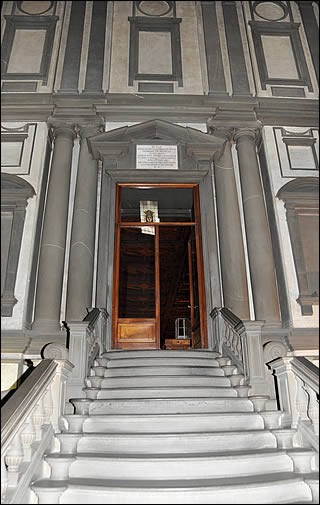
222	132
62	130
86	130
251	133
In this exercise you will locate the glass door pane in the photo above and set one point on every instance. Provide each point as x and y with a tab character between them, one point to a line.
137	273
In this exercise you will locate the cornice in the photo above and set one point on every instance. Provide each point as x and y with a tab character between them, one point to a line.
217	112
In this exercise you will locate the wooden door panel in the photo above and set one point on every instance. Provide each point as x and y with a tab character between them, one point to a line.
132	332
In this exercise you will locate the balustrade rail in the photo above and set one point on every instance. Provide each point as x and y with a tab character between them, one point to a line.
298	386
29	420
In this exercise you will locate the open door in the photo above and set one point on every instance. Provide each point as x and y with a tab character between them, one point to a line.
158	268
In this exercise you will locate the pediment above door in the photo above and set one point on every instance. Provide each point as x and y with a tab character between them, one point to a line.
117	148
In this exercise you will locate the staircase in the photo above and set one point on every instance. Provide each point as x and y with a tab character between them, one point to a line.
173	427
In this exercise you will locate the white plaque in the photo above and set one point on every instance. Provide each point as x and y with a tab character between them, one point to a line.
156	156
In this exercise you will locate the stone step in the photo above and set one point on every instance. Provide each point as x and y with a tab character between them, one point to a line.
170	406
166	443
164	360
189	353
273	488
164	423
170	467
163	370
161	392
158	381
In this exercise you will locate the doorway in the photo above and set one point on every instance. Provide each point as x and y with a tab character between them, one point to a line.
158	282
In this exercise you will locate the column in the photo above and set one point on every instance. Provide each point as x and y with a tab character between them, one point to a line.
53	241
263	278
81	261
233	269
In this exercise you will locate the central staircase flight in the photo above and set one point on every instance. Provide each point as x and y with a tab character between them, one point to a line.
173	427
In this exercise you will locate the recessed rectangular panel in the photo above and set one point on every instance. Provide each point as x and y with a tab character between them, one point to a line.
136	331
11	154
279	57
155	53
301	157
6	230
26	53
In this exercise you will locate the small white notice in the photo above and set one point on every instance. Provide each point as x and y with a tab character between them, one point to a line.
157	156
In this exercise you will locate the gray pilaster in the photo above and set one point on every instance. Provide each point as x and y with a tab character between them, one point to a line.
81	261
262	270
216	79
52	251
71	64
233	269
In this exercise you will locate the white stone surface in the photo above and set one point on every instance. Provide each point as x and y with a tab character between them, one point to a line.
170	450
25	259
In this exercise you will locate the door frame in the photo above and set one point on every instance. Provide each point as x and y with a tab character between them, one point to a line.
130	322
105	254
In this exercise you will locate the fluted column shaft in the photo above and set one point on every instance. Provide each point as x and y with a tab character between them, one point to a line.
233	269
81	262
263	278
53	241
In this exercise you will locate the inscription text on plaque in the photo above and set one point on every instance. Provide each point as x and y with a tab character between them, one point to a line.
157	156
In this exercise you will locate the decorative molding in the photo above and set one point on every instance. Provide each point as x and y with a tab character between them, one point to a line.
290	30
301	197
54	350
47	23
147	24
14	195
273	350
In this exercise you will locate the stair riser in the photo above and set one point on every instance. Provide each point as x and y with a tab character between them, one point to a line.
163	393
150	381
189	353
278	493
162	424
163	370
223	442
170	406
183	468
206	362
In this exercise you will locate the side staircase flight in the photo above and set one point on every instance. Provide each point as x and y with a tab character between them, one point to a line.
173	427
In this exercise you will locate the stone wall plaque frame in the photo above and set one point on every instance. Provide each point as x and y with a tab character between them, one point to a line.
290	30
147	24
14	195
13	23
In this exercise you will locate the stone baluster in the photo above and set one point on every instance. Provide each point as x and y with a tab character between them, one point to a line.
13	459
81	261
313	410
233	268
301	401
39	418
52	250
263	278
4	478
27	437
48	405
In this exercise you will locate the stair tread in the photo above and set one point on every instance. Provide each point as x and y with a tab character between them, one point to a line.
172	456
252	480
172	433
132	388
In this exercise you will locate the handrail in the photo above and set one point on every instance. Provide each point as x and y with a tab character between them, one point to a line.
86	342
298	386
24	398
30	419
241	342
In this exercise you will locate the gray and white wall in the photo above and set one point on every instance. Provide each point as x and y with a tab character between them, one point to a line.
209	65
